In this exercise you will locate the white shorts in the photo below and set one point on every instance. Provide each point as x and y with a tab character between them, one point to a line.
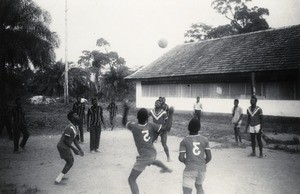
254	129
239	124
192	177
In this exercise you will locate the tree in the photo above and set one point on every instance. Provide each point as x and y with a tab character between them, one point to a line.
98	60
242	20
25	37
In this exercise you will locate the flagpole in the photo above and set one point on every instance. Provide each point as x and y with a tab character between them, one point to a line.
66	86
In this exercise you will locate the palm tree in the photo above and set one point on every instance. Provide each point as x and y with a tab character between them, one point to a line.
25	37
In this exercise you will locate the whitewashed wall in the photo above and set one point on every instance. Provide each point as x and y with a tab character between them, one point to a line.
287	108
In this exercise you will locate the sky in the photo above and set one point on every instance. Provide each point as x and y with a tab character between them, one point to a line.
133	27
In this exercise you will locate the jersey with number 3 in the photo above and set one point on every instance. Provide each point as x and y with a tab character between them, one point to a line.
143	137
194	147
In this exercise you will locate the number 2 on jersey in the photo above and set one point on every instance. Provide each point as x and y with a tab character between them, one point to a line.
196	148
146	135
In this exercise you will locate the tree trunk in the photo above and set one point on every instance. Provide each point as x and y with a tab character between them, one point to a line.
253	88
3	79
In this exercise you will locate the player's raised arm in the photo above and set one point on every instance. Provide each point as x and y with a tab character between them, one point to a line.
167	125
125	113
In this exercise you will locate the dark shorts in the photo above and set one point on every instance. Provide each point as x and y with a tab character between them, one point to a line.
65	153
142	163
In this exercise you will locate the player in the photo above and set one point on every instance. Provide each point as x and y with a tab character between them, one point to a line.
94	120
254	125
79	108
237	115
198	109
113	111
19	124
164	106
143	134
64	145
194	152
160	117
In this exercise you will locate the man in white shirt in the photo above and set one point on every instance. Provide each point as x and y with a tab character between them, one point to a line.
197	109
237	115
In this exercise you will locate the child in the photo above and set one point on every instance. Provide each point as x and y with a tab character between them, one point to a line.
64	146
195	153
113	111
143	134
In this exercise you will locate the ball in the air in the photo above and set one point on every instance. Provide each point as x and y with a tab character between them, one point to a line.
162	43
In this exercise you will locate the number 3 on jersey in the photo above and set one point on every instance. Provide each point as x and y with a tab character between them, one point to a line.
146	135
196	149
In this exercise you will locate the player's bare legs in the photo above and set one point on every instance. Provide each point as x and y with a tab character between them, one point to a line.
164	144
253	144
258	137
187	190
132	181
199	189
163	167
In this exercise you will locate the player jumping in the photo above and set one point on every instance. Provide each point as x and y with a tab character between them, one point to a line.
160	117
143	134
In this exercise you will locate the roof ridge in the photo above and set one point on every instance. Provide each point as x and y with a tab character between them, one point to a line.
244	34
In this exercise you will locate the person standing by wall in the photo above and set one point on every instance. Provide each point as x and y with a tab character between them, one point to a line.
198	109
237	115
254	126
94	120
79	108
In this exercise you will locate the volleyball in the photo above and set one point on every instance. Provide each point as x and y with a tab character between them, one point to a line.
162	43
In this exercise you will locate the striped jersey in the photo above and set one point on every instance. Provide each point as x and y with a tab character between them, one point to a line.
160	117
254	115
194	147
95	114
143	137
79	108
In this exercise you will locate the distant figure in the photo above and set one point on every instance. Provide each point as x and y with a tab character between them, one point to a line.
237	115
19	125
5	119
255	125
198	109
143	133
194	152
94	120
79	108
160	117
64	145
112	108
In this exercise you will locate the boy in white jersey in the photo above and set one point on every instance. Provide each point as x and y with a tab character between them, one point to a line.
194	152
143	133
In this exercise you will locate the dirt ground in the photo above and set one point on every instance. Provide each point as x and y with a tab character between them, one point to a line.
231	171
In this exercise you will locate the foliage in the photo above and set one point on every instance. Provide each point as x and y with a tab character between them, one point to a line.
242	20
50	81
111	80
25	38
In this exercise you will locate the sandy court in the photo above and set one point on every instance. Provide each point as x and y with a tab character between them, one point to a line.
231	171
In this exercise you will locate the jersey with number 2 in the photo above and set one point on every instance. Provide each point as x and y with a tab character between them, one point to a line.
194	147
143	137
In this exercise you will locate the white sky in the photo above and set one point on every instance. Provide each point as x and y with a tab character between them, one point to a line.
133	27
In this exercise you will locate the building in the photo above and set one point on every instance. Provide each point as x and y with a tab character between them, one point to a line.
265	63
